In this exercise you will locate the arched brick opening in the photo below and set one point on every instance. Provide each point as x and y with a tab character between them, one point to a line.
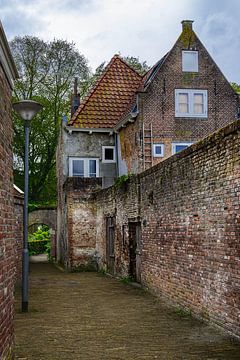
46	216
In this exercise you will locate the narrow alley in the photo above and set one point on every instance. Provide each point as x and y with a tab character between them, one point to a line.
92	316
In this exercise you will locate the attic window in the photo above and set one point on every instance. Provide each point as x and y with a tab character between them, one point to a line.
108	154
190	61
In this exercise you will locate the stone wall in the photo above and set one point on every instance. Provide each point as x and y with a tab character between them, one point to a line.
188	209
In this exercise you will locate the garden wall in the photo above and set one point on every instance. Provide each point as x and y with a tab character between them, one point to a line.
188	206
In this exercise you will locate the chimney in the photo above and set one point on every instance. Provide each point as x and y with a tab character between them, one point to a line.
75	97
187	25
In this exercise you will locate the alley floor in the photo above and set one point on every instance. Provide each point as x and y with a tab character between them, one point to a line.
90	316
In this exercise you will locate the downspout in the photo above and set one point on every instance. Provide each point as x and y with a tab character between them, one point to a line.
117	153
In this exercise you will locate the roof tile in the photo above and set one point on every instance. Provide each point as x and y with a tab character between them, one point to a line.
110	97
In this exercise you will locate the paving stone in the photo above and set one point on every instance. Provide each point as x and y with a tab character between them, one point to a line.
91	316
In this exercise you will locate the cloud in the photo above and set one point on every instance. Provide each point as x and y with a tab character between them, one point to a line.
144	28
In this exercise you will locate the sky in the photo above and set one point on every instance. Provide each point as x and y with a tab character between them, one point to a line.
141	28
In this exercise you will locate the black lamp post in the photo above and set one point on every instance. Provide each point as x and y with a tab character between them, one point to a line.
27	109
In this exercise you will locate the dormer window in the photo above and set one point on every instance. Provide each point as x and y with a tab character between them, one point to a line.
190	61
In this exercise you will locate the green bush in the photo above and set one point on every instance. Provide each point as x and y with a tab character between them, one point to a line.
40	241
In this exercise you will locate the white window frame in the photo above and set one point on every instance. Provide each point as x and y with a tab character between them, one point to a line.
103	154
154	150
191	93
186	68
179	143
85	166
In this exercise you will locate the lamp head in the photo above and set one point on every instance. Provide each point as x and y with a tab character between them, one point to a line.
27	109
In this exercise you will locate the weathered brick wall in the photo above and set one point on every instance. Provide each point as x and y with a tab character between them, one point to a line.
18	210
190	223
81	223
7	221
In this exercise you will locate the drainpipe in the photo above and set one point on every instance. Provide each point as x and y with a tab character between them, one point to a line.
117	157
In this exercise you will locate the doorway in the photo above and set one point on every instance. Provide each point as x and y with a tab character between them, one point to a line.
134	229
110	254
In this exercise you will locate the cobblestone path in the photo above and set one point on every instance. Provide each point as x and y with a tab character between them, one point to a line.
89	316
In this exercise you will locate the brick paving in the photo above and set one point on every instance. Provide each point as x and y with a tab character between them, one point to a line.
91	316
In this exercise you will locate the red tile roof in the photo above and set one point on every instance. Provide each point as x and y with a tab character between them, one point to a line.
110	97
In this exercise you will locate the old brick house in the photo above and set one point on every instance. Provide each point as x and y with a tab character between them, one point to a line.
8	73
129	123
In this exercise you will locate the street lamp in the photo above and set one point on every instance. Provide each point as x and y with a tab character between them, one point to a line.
27	109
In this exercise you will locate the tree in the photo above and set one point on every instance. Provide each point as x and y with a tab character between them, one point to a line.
236	87
46	74
134	62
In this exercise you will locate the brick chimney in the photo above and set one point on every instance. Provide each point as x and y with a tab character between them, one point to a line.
187	25
75	97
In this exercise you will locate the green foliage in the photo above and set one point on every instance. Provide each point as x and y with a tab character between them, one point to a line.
186	313
46	74
126	279
236	87
136	64
122	180
39	242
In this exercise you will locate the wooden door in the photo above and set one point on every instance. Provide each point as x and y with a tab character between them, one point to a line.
110	244
134	250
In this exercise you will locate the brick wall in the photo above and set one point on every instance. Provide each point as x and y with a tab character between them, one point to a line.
188	207
157	106
18	209
7	220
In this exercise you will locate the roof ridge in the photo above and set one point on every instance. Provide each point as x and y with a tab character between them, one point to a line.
126	63
93	89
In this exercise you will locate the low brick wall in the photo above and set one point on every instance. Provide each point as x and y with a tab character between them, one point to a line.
190	227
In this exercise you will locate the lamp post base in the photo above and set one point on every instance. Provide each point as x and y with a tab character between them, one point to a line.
25	306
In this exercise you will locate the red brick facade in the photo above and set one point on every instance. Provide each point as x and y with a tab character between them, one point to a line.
187	211
156	105
7	215
18	209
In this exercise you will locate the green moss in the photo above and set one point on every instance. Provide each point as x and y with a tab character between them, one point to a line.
186	313
187	37
189	77
88	267
182	134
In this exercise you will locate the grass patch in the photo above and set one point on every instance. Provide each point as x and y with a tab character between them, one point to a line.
184	313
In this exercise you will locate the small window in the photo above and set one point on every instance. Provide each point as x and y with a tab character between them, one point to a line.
158	150
191	103
177	147
190	61
108	154
83	167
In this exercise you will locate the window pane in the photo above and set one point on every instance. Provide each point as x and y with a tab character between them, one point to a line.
78	167
92	168
183	103
198	104
183	98
180	148
109	155
158	150
190	61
